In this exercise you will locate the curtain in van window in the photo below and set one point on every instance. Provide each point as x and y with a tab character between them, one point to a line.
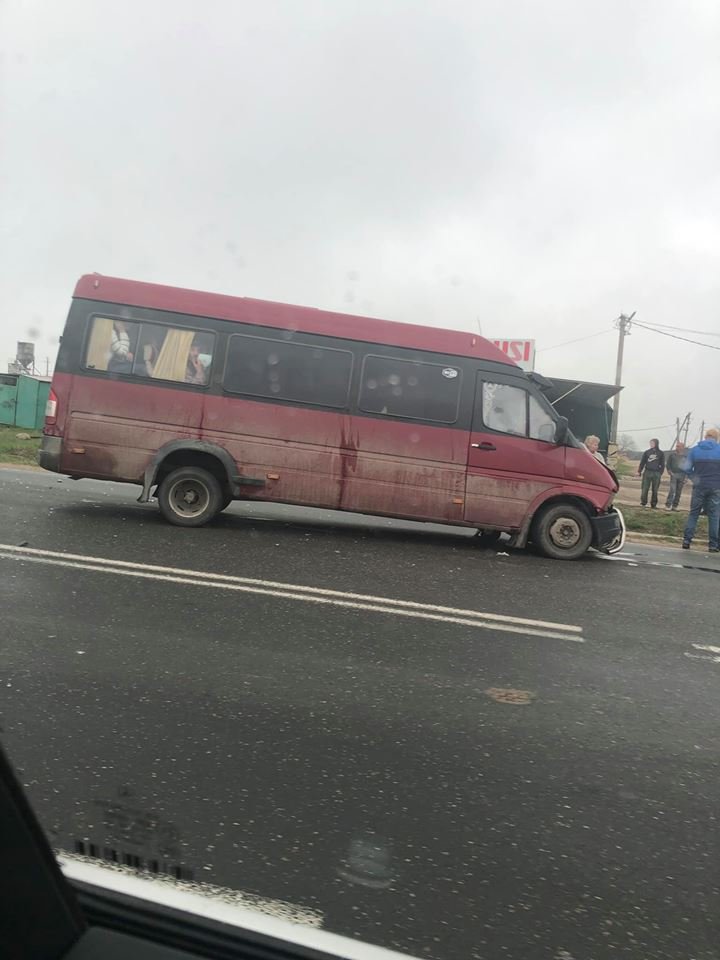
173	357
98	351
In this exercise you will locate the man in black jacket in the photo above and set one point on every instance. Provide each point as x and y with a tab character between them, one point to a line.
652	465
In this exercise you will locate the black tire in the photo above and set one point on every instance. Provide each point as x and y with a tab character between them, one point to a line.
190	497
562	532
487	538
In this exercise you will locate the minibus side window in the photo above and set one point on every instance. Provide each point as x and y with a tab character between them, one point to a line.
279	370
504	408
542	424
149	350
410	389
514	410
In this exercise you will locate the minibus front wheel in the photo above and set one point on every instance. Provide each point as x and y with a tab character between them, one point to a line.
190	497
562	531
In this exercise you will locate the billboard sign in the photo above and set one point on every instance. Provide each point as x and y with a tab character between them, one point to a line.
522	352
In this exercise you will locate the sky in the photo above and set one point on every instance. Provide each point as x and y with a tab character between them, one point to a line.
529	169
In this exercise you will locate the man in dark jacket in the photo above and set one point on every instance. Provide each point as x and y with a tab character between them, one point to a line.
703	467
652	463
675	466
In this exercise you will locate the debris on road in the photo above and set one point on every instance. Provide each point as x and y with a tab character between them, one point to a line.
508	695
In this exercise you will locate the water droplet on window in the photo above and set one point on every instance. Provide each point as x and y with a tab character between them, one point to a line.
372	384
273	359
275	388
393	379
412	381
397	391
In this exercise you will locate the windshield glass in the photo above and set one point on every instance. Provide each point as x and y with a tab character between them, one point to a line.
307	600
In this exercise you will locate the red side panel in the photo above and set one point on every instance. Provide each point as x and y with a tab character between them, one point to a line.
333	460
100	442
313	457
506	474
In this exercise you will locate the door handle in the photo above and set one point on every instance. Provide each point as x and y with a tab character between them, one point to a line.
485	445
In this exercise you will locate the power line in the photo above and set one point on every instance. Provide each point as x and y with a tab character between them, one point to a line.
661	426
703	333
664	333
566	343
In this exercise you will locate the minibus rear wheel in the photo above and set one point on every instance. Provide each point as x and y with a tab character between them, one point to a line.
190	497
562	531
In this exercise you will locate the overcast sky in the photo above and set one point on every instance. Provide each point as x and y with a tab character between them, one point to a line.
534	167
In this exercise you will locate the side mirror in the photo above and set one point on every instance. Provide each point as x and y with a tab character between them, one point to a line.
561	431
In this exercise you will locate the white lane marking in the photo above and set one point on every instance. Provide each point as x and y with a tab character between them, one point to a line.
706	646
632	561
701	656
472	618
295	587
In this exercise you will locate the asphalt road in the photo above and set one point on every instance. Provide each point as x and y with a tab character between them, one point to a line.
269	730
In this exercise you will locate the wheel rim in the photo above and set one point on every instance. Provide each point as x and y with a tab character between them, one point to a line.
565	533
189	498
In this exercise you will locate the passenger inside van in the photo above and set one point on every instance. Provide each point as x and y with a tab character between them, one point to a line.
121	355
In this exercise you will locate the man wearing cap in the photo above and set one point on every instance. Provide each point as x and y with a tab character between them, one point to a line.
703	468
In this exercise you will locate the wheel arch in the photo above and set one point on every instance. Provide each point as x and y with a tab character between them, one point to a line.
191	453
551	500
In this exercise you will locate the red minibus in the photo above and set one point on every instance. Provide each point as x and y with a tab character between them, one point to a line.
205	399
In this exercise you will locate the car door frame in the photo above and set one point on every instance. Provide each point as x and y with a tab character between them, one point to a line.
499	493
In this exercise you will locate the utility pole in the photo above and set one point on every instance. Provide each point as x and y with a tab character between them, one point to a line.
702	429
680	426
687	428
623	323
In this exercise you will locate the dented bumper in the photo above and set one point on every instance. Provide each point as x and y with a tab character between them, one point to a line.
609	531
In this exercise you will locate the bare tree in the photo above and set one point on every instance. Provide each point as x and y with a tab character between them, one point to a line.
626	443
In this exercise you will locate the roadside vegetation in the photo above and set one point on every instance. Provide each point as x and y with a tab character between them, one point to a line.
661	522
14	449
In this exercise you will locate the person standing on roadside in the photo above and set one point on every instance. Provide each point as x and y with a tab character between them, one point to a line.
652	465
703	467
675	466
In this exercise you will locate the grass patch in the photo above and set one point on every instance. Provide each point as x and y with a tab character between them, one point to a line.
661	522
623	468
13	450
